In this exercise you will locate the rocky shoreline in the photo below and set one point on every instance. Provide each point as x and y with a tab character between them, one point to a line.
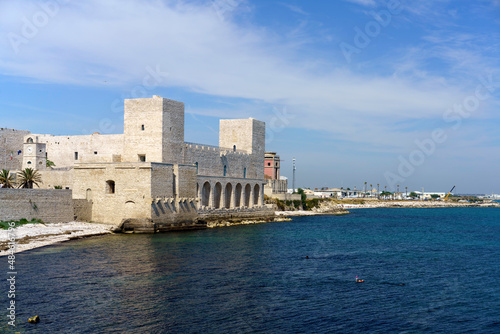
334	208
32	236
418	204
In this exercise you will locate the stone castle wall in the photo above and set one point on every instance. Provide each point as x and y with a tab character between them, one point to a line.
149	173
116	190
51	206
89	148
11	141
57	177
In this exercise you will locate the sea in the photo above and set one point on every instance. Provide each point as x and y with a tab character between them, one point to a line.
424	271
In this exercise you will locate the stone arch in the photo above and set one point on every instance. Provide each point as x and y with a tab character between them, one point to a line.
237	196
217	195
256	195
29	140
248	190
228	195
205	194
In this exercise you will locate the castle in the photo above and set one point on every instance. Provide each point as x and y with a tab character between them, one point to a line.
149	174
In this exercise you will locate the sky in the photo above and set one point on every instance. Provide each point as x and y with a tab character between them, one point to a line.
387	92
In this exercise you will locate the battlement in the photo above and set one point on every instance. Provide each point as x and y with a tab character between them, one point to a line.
213	148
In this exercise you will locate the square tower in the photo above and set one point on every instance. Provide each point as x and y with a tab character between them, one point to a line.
243	134
154	130
34	154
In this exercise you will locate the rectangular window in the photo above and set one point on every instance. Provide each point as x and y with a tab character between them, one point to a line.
142	127
76	155
95	152
142	157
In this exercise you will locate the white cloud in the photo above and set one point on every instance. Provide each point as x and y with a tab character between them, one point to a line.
89	42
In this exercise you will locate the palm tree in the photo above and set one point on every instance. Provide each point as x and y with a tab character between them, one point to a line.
6	180
29	177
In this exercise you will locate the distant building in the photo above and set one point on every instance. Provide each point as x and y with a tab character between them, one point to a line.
272	166
276	185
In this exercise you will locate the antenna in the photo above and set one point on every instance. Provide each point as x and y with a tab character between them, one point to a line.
293	189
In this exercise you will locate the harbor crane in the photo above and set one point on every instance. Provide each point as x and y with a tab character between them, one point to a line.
449	193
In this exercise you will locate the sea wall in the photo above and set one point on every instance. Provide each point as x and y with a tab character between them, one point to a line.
51	206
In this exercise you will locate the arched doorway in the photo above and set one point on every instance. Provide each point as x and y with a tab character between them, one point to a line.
256	195
227	197
237	196
248	189
217	195
205	194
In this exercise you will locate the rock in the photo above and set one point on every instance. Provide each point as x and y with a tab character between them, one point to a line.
34	320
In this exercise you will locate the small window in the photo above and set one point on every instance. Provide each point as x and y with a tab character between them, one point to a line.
196	164
76	155
40	163
269	164
95	152
40	151
142	127
29	162
30	140
244	173
110	187
234	147
142	157
225	170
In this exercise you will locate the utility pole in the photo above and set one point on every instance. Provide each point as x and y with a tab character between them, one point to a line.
293	190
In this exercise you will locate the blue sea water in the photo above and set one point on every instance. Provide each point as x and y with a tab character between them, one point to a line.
425	271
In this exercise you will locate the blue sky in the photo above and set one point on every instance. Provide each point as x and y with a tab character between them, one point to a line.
385	92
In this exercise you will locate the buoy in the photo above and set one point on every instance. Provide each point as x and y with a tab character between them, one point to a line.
34	320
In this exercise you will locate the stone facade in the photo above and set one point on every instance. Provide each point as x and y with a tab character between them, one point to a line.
11	141
149	174
51	206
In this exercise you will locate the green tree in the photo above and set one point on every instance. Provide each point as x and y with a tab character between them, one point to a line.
6	179
385	193
413	194
303	197
28	178
50	163
434	196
